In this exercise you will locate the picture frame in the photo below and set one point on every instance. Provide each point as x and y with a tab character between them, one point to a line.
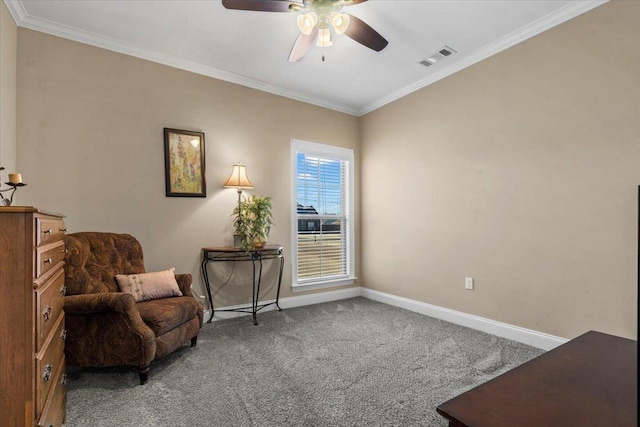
184	166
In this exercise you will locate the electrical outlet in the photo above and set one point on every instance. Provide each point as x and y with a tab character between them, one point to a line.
468	283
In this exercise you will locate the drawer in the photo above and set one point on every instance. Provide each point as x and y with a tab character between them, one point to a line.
48	362
53	414
49	230
49	304
48	257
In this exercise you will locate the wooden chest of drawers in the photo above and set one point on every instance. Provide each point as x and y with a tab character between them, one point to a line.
32	334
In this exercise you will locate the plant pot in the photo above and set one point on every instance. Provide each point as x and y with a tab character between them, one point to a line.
259	244
237	240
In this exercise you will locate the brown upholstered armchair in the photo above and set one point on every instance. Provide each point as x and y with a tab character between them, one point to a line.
106	327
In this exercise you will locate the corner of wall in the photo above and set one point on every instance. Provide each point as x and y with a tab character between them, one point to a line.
8	64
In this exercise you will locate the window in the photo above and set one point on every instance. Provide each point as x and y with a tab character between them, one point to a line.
322	229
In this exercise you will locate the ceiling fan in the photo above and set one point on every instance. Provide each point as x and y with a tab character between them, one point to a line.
315	22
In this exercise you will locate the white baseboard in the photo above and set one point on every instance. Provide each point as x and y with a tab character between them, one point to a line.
288	302
309	299
505	330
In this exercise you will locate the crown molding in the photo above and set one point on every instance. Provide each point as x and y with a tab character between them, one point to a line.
543	24
23	19
16	9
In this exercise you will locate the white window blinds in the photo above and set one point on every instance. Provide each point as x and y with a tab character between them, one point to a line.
323	236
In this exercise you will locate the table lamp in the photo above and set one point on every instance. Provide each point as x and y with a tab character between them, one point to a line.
239	180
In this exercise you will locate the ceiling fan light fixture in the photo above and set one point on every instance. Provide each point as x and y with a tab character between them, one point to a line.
306	22
340	22
316	19
324	38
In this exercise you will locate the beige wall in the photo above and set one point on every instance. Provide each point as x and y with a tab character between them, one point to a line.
522	172
8	47
90	132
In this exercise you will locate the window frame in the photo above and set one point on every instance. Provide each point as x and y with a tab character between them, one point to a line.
332	152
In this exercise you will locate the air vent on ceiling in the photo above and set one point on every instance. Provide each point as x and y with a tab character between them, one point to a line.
441	54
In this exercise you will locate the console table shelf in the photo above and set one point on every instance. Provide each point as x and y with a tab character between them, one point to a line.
256	256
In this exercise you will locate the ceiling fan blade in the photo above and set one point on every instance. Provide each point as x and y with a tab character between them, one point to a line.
264	5
350	2
302	45
361	32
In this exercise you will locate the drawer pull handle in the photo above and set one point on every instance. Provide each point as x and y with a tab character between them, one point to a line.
46	313
64	251
63	230
63	291
47	231
64	380
63	335
48	261
46	375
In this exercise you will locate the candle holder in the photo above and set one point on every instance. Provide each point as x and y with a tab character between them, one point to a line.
4	201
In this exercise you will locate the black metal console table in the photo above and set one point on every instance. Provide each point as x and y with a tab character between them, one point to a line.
256	256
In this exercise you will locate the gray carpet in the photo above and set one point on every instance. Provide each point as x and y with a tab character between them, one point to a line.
353	362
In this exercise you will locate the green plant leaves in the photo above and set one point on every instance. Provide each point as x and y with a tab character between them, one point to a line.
253	220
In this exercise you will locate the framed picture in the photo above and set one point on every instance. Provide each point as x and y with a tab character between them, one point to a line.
184	163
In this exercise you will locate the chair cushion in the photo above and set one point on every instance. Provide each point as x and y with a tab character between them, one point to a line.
147	286
163	315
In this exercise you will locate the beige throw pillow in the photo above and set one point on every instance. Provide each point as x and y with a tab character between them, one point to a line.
147	286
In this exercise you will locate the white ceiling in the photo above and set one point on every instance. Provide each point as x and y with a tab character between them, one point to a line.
251	48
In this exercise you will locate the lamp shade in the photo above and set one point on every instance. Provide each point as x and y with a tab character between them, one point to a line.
307	22
238	178
324	38
340	22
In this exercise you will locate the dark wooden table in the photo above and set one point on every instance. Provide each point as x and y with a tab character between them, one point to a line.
588	381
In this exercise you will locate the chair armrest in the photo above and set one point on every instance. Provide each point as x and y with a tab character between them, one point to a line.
184	283
105	329
99	303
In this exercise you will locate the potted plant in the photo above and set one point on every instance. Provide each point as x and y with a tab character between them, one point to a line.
253	221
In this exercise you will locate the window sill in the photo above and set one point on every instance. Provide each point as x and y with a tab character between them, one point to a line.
310	286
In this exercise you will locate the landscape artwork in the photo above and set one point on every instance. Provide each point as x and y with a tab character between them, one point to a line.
184	163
